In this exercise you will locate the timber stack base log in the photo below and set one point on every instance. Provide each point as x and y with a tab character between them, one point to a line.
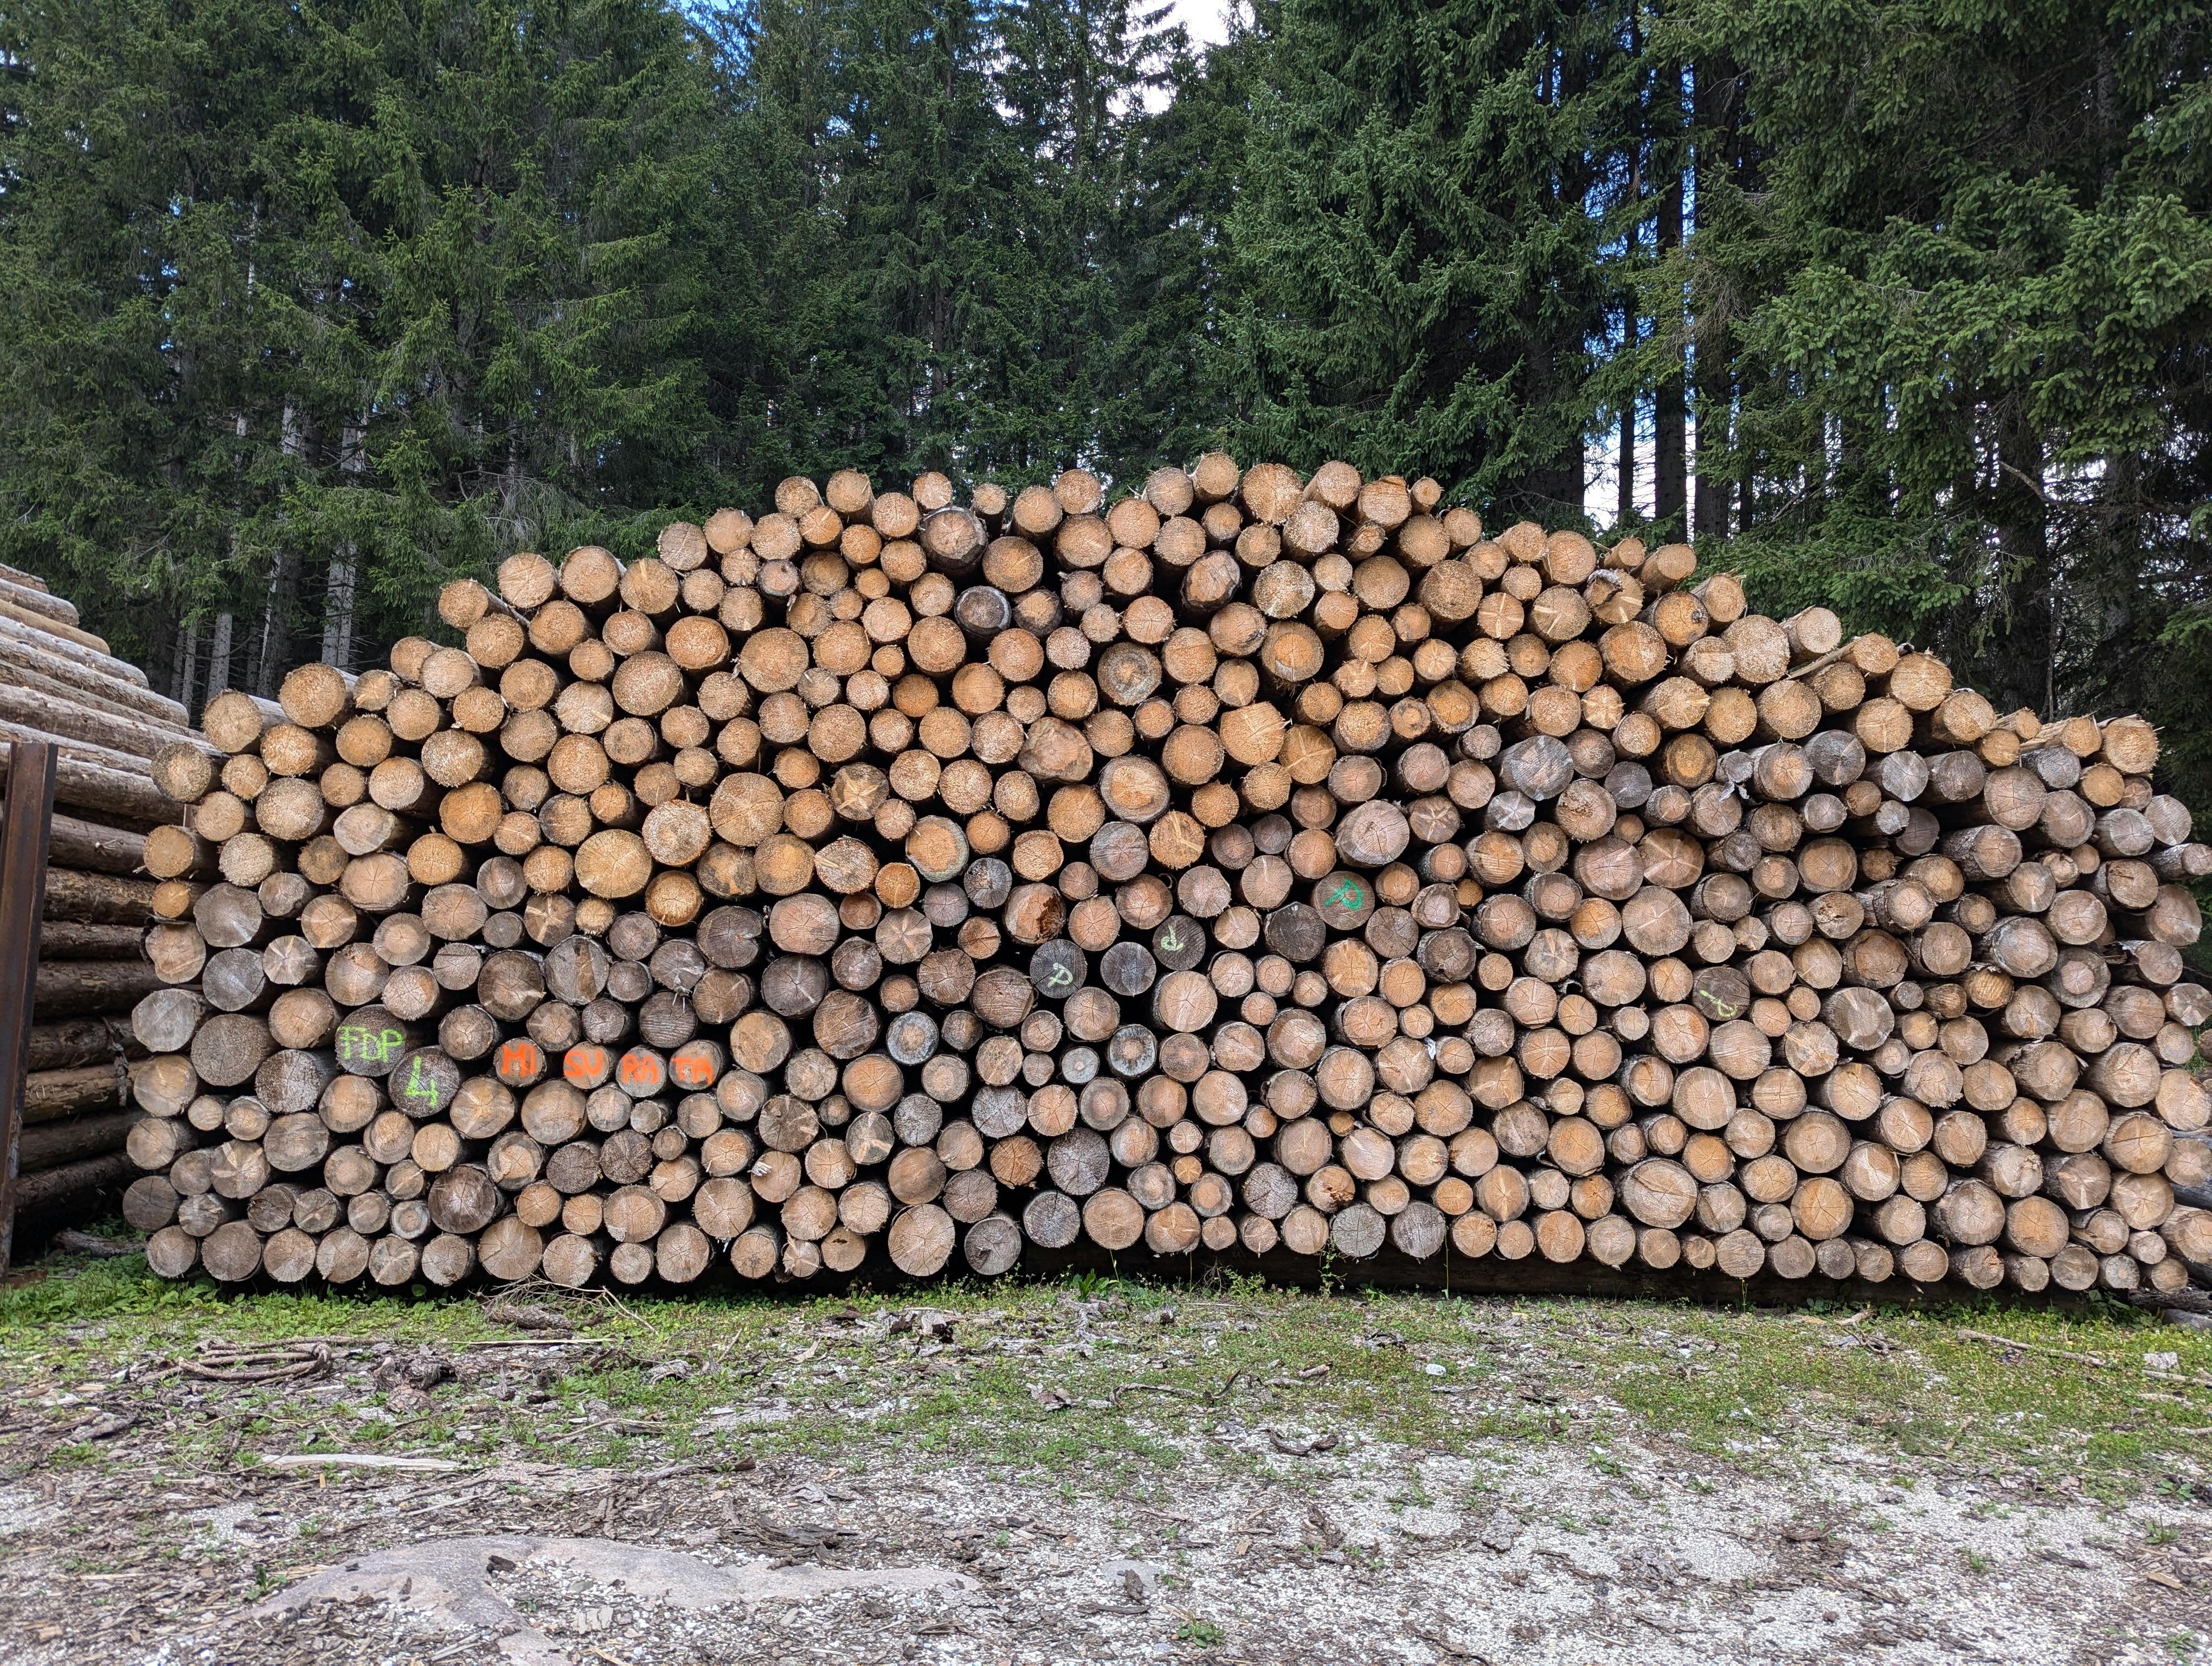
91	949
1249	866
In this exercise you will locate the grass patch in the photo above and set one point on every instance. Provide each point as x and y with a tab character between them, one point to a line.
1099	1384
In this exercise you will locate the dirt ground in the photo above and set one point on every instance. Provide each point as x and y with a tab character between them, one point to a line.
1090	1471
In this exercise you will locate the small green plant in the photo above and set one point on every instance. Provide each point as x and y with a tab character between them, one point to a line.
1328	1278
2161	1534
2183	1644
1200	1633
1976	1562
1089	1285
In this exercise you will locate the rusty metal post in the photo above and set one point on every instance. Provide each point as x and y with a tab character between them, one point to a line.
23	842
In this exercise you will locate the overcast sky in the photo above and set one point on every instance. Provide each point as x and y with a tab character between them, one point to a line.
1206	20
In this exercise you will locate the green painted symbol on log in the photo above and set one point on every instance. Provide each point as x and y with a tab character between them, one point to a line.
357	1045
421	1087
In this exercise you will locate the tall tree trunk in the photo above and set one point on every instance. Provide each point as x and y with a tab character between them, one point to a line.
1669	413
181	667
1718	104
1552	487
219	656
1711	510
1671	463
1555	486
1625	506
338	610
510	493
269	644
338	597
188	670
2020	658
1570	474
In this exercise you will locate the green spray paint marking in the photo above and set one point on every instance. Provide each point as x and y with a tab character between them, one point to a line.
423	1089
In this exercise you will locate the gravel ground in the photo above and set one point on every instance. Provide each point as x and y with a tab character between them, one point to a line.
866	1481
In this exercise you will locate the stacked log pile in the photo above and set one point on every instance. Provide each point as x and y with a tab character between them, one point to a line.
58	682
1249	863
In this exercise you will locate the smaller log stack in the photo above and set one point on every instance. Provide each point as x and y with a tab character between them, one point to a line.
1247	863
58	682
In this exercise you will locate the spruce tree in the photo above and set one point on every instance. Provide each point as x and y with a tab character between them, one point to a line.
1078	79
1418	245
1973	287
1169	383
147	246
312	307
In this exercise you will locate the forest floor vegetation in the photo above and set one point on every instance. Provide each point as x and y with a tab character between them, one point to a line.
1091	1469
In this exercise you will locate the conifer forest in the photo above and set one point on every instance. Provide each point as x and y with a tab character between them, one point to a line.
1900	306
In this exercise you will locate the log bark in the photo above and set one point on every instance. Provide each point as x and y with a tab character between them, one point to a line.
99	780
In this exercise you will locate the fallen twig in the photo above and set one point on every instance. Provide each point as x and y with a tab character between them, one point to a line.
1444	1645
355	1461
2098	1360
258	1365
1995	1341
1154	1387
